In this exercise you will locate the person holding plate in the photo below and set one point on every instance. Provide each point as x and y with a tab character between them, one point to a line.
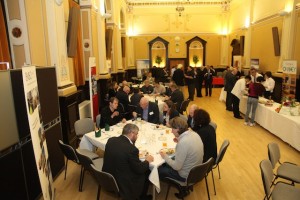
188	153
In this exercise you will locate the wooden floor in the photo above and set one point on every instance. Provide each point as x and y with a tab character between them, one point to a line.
240	173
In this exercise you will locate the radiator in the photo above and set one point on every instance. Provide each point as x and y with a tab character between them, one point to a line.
85	109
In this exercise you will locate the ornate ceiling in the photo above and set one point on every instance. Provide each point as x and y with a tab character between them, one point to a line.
177	2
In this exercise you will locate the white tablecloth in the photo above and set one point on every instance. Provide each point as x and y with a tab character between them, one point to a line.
223	95
150	139
284	126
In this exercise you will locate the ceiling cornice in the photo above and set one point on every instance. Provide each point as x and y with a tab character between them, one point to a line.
174	3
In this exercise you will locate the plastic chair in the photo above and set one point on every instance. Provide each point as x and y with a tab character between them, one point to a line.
184	106
196	174
70	154
219	158
285	170
106	181
86	165
280	190
83	126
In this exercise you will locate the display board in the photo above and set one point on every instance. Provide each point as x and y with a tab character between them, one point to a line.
289	76
37	132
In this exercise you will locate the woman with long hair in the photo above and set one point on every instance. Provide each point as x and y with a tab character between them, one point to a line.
169	112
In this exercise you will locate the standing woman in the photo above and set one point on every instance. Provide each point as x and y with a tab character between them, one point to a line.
169	112
206	132
255	90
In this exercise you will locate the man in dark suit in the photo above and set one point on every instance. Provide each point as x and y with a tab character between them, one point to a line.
208	77
230	82
176	96
121	159
148	111
147	88
122	95
178	77
190	120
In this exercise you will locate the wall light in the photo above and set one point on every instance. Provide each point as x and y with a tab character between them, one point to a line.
107	15
283	13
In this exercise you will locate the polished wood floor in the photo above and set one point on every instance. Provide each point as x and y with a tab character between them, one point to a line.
240	173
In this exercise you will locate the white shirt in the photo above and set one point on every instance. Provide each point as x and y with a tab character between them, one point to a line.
256	75
239	88
269	84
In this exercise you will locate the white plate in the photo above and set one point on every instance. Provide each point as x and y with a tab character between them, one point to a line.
169	151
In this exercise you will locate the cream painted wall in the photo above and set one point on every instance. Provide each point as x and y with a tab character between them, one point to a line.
265	8
262	44
297	42
239	14
36	33
213	46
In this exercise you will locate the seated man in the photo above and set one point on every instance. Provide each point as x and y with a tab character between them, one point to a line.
176	96
148	111
110	114
136	97
121	159
147	88
122	95
190	120
158	88
188	153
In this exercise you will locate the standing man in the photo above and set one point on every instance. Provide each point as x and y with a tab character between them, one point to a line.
189	79
237	93
199	81
254	74
208	77
121	159
176	96
178	77
269	85
148	111
230	82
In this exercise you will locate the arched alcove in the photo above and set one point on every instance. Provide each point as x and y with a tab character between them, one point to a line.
158	50
196	48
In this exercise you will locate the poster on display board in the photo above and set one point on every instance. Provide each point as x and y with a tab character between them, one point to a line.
142	67
37	131
93	88
237	62
289	76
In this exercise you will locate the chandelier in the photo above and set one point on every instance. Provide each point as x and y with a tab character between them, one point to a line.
179	9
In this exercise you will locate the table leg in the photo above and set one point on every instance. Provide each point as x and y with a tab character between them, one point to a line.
153	192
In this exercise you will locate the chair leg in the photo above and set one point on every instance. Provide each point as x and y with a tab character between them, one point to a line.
82	179
168	191
81	174
219	172
99	191
66	168
213	179
207	188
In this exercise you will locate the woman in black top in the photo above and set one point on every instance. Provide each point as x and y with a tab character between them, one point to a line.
169	112
206	132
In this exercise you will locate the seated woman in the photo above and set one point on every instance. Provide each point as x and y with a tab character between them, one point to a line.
206	132
169	112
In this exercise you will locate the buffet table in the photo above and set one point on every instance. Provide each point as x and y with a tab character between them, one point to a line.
284	126
150	139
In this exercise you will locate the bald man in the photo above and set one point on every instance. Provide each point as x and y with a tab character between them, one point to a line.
122	95
190	120
148	111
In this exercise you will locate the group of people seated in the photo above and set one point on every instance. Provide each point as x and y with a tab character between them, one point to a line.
196	143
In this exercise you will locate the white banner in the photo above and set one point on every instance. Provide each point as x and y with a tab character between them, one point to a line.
93	88
289	78
37	132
